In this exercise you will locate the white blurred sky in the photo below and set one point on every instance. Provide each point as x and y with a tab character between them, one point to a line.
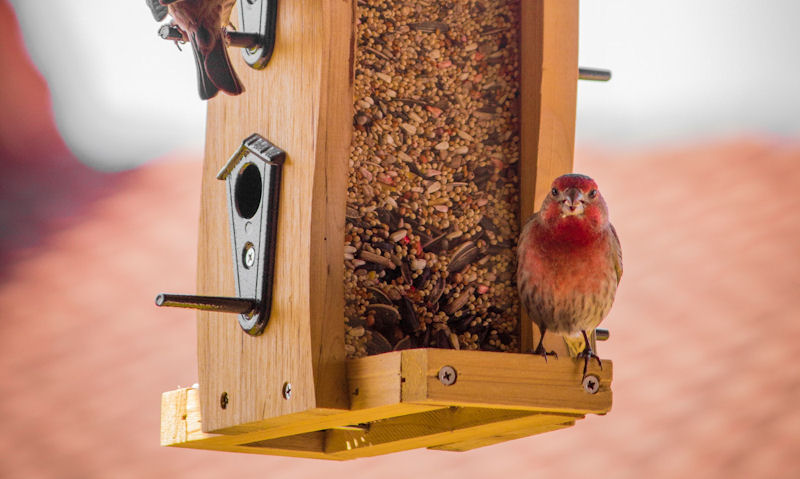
683	70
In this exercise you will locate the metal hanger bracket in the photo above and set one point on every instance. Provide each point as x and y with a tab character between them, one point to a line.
257	17
253	178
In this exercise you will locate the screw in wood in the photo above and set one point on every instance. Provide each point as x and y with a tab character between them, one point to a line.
591	384
448	375
287	390
249	256
223	400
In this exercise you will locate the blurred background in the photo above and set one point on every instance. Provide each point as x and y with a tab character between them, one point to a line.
695	143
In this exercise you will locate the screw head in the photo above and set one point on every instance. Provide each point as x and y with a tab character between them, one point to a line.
249	255
591	384
448	375
287	390
223	400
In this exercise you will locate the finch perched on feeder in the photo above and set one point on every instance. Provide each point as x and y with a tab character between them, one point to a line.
202	23
569	262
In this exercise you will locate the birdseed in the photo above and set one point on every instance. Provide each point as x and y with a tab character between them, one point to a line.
433	189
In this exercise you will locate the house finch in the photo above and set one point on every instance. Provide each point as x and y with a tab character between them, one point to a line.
569	262
202	23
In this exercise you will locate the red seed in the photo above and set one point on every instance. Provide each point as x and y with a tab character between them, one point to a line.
434	111
385	179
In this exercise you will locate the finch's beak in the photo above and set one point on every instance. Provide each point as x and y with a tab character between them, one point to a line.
572	204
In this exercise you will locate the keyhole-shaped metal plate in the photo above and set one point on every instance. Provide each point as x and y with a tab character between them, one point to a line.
253	180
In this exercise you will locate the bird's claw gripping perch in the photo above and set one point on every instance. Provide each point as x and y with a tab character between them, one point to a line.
543	352
587	354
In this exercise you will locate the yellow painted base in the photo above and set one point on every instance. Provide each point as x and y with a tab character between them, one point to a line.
398	402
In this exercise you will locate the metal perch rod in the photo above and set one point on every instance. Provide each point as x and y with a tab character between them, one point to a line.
207	303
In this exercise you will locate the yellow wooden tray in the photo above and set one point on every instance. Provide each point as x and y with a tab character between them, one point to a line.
398	402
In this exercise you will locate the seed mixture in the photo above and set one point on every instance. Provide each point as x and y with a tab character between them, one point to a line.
433	188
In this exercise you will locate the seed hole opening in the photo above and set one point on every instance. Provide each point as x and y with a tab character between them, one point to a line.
247	192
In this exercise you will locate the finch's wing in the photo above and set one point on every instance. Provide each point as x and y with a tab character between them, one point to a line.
159	11
616	250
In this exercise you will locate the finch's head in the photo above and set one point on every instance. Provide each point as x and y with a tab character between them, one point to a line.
577	196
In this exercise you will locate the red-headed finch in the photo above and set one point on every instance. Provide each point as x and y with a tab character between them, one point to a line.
569	262
202	23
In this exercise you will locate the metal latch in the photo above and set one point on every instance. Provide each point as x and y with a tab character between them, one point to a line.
252	176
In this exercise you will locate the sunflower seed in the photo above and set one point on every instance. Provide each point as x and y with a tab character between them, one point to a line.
409	321
376	258
430	27
378	344
379	297
398	235
460	301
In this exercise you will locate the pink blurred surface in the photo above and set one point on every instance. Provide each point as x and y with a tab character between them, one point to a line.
704	334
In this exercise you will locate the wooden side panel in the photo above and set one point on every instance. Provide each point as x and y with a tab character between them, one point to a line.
328	211
505	380
286	104
173	417
374	381
413	367
548	94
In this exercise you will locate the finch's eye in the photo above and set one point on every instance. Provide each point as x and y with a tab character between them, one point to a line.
592	194
554	192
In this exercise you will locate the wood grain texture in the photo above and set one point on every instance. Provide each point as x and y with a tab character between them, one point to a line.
525	381
548	94
300	102
413	431
374	381
508	430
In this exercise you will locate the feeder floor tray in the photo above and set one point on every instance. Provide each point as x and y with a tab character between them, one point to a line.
398	402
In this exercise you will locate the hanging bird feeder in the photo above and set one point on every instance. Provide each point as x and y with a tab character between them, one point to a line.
360	206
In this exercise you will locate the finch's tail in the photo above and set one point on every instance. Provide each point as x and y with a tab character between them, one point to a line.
205	86
575	344
219	69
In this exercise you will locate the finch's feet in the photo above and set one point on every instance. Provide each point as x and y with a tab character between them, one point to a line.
543	353
587	354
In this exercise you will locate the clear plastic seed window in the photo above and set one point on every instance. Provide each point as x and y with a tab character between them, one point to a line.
433	188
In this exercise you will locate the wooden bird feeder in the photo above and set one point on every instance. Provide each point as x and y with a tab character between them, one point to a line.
300	385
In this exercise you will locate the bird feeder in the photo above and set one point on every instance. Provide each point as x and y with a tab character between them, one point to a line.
359	212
